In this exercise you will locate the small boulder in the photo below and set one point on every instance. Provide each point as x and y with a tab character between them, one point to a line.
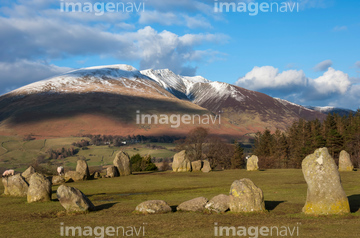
39	189
252	163
345	163
96	175
56	180
27	173
245	196
181	163
196	165
122	163
325	194
74	176
193	205
153	207
73	200
83	168
15	186
112	172
206	166
219	203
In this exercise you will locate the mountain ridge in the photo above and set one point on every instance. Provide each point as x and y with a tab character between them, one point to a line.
116	92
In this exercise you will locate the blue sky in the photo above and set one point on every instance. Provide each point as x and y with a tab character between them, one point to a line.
310	57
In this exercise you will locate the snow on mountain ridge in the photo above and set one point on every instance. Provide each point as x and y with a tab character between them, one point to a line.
285	103
84	78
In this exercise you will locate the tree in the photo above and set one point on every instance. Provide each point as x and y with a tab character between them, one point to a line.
194	143
237	160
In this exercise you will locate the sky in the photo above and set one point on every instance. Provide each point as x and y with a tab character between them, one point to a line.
308	54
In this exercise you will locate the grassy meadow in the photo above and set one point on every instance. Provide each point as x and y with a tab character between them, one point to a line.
116	199
18	154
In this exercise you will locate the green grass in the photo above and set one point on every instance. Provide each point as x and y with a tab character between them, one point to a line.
18	154
116	199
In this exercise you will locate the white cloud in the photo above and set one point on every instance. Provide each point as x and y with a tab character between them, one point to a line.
295	86
357	64
323	66
268	77
163	18
333	81
23	72
197	22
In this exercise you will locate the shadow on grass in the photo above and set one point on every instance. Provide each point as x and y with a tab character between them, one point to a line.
173	208
105	206
271	205
354	201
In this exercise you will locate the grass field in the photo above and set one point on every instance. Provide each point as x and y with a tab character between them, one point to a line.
116	199
19	155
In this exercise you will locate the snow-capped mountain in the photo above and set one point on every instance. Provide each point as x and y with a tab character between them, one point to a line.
108	78
105	99
180	86
331	110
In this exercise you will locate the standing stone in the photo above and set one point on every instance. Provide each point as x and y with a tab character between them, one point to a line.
345	162
122	163
15	186
219	203
196	165
56	180
325	194
27	173
74	176
245	196
82	168
39	189
193	205
252	163
112	172
206	166
73	200
153	207
96	175
181	163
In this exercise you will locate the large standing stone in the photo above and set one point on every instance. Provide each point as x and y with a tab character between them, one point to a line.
56	180
73	200
15	186
325	194
153	206
39	189
196	165
122	163
74	176
345	162
193	205
245	196
181	163
219	203
252	163
27	173
83	168
206	166
112	172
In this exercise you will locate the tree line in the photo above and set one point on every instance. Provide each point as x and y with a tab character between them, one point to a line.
200	145
287	149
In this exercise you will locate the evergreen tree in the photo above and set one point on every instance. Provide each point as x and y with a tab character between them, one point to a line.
237	161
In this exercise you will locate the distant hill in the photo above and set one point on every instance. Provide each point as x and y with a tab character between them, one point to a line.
106	100
332	110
